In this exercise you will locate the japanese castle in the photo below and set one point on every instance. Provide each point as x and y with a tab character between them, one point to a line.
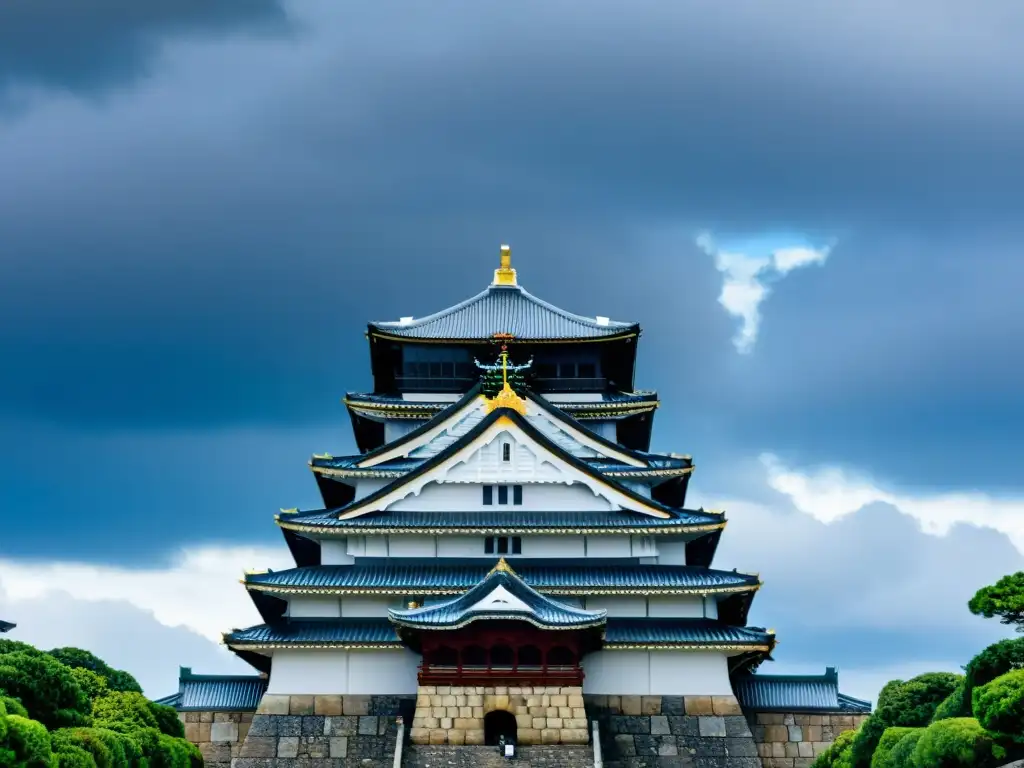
505	550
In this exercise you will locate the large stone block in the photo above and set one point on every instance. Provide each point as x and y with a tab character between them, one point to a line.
192	732
650	705
659	725
456	736
301	705
438	737
550	736
273	704
698	705
726	705
354	704
712	726
338	746
288	746
528	736
419	735
259	746
223	731
345	725
327	705
574	736
630	705
776	733
475	737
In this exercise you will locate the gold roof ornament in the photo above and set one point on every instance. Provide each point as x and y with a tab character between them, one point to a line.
506	397
504	274
502	567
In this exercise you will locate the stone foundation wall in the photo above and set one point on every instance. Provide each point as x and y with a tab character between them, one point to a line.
449	756
794	740
673	732
324	731
219	735
455	714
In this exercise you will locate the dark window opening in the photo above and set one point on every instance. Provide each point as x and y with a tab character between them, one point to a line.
502	545
488	495
502	656
489	545
517	494
517	545
474	656
503	494
445	657
530	656
560	656
506	452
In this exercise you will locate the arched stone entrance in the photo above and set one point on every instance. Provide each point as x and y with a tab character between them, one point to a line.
497	724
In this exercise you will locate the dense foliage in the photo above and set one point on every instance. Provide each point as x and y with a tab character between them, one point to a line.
999	705
904	704
1004	599
942	720
959	742
890	738
69	709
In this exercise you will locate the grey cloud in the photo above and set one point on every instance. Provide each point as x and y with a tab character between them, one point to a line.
869	590
88	48
124	636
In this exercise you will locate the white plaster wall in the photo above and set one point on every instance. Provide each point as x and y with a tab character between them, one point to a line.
671	552
460	546
327	672
644	546
553	546
468	497
659	673
335	552
369	485
368	605
573	397
618	605
302	607
376	546
396	428
609	546
412	546
711	605
675	606
431	397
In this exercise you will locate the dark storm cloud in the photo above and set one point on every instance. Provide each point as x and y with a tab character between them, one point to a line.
205	249
85	47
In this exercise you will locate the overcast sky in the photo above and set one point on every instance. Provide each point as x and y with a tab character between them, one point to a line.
814	213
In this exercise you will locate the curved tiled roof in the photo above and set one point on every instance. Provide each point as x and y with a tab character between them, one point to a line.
620	633
511	598
432	576
372	632
796	693
211	693
683	632
504	309
501	522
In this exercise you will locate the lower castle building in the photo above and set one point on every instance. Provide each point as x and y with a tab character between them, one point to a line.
505	561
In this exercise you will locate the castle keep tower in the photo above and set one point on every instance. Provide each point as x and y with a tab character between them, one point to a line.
506	559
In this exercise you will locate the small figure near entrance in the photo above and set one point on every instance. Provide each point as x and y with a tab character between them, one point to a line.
500	731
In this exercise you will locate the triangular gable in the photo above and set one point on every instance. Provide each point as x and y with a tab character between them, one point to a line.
524	432
451	424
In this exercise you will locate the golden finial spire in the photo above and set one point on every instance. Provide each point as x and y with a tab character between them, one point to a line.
504	274
507	397
502	567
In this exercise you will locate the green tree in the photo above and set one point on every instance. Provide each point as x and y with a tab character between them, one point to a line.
71	756
999	705
29	741
902	754
1004	599
90	741
16	646
117	680
837	755
13	706
167	720
92	685
998	659
45	687
908	704
124	712
959	742
957	704
890	738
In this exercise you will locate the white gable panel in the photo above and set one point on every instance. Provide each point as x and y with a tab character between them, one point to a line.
465	497
477	463
500	599
575	440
